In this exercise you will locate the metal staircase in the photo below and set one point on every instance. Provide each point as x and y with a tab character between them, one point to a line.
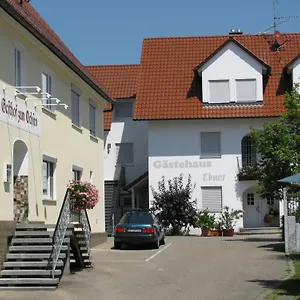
39	254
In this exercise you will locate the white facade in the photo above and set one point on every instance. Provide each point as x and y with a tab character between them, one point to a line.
295	70
232	67
174	148
135	135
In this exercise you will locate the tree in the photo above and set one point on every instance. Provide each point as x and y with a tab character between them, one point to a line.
279	146
174	203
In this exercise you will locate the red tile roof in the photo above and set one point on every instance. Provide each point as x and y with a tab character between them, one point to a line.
28	17
168	87
120	82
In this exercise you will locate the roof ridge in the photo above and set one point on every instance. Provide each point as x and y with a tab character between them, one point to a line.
218	36
113	65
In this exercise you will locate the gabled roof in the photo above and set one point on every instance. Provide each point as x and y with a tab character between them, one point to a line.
233	40
30	19
120	82
290	64
168	87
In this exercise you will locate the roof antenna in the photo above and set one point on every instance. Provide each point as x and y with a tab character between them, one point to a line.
276	19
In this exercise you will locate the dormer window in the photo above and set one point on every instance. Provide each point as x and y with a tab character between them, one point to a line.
219	91
232	74
123	110
246	90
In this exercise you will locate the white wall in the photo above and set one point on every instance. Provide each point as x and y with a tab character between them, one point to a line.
232	63
296	72
127	131
172	142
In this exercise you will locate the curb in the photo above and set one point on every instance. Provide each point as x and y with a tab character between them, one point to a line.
276	286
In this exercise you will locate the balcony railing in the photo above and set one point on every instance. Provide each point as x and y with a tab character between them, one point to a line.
246	172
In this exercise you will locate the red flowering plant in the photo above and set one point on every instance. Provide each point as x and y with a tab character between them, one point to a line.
84	195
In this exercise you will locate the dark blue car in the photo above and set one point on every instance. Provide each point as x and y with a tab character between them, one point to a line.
139	227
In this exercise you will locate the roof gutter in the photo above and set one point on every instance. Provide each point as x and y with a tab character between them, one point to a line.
11	11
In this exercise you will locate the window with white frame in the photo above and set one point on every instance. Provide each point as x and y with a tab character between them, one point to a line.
75	108
212	199
124	110
18	67
48	179
92	119
210	144
77	173
250	199
219	91
246	90
47	88
124	153
249	155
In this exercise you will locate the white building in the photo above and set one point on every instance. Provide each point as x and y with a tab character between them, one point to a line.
200	96
51	122
126	143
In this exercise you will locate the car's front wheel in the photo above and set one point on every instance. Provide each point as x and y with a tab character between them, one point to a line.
117	245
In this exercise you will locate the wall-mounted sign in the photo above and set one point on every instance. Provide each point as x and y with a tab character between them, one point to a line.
16	112
165	164
213	177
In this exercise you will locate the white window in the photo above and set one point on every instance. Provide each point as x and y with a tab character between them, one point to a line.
77	173
124	110
92	120
210	144
47	88
270	201
18	67
124	153
219	91
212	199
48	179
75	108
246	90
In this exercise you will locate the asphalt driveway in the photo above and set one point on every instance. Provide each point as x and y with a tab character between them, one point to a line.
206	268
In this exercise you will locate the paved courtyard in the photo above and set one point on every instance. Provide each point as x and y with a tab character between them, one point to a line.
185	268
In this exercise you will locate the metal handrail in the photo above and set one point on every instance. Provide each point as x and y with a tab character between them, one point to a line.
60	230
84	220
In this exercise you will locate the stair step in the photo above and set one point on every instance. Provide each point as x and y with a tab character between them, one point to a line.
38	233
17	240
34	248
260	228
29	272
37	281
30	264
28	288
34	226
32	255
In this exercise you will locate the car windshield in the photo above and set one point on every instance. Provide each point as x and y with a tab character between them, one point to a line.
137	218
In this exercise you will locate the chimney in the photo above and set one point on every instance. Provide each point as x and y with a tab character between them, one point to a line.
235	32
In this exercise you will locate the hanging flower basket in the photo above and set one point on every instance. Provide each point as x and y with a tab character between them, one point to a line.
84	195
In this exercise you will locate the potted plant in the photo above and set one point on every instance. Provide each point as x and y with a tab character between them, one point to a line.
206	222
229	218
271	215
83	195
218	227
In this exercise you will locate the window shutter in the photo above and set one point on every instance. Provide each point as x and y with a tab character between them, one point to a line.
45	178
212	199
246	90
219	91
210	143
75	108
92	120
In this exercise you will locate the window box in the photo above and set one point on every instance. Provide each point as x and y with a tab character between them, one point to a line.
248	173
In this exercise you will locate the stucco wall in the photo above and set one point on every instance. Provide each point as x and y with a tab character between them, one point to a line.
178	142
58	138
232	63
127	131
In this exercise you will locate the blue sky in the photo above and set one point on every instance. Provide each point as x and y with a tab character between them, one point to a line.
111	32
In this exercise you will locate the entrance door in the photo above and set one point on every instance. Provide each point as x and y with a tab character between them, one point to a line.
252	211
256	209
20	171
